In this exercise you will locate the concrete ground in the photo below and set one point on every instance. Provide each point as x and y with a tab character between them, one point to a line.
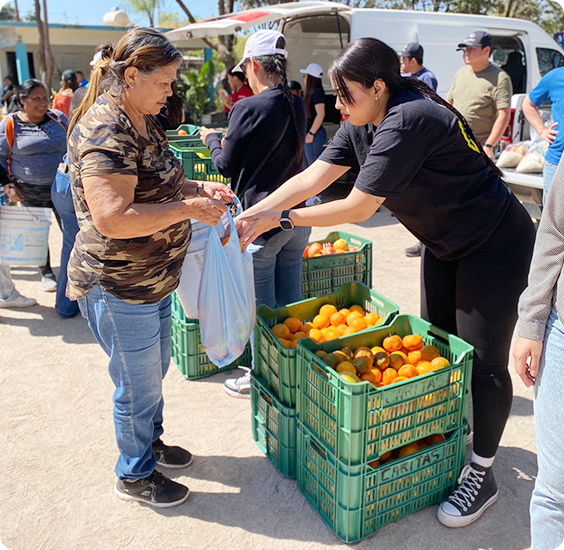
58	447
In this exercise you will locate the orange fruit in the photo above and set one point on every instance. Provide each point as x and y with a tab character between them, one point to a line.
298	335
377	349
409	371
414	357
399	379
397	360
341	244
353	315
327	310
341	329
386	456
408	449
424	367
345	311
284	342
435	439
439	363
348	331
371	319
293	344
358	309
388	376
306	327
345	366
316	335
358	324
293	324
382	360
281	331
413	342
392	343
320	321
428	353
365	352
374	464
330	333
375	375
182	132
315	248
337	319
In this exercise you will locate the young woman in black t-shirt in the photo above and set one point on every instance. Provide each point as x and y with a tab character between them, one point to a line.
314	99
419	156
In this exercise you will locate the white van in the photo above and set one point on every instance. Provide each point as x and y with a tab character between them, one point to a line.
318	31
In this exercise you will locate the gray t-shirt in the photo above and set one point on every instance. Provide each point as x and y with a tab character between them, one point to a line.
37	149
546	278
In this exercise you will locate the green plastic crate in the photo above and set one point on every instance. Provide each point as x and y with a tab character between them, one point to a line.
359	422
276	363
191	129
274	428
356	501
326	274
188	353
196	168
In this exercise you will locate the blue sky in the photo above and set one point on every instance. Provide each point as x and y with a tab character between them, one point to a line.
91	12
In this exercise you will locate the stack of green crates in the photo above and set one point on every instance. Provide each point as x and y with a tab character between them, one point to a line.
275	365
326	274
196	161
344	427
188	353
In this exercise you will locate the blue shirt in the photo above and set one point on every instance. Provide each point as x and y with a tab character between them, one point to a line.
37	149
551	87
83	83
425	75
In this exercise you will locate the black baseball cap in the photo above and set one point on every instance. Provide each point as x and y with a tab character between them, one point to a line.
413	49
68	75
295	85
477	38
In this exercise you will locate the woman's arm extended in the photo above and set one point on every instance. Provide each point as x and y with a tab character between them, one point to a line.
301	187
110	201
357	207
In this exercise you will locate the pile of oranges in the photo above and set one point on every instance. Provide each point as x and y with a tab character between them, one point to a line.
325	249
396	360
329	324
408	449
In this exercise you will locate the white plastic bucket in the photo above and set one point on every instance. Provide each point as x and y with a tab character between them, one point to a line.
24	235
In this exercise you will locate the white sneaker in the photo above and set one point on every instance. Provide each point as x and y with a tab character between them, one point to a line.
48	283
239	387
18	301
313	201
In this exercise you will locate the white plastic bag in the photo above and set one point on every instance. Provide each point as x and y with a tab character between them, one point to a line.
226	306
533	161
513	155
188	290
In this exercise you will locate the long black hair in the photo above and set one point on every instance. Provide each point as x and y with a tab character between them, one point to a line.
313	83
25	89
275	65
366	60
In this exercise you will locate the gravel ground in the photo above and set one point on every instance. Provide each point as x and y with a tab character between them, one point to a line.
59	449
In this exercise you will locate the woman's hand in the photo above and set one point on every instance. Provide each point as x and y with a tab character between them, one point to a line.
205	132
309	138
13	193
249	227
205	210
549	134
218	191
526	354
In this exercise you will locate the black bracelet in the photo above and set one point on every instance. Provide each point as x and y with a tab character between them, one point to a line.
313	135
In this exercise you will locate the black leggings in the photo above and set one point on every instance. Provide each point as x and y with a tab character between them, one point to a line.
476	298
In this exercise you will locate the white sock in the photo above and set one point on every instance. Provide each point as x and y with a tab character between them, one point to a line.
481	461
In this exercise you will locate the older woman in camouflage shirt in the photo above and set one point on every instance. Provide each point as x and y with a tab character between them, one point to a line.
134	205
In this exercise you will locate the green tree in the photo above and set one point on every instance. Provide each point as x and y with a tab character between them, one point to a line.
197	85
7	13
145	7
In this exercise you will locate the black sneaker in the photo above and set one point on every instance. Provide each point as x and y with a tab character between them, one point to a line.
156	490
413	251
476	492
171	457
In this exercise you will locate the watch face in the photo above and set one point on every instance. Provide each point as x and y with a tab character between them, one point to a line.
286	224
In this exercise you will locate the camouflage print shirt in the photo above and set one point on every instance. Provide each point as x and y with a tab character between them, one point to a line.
139	270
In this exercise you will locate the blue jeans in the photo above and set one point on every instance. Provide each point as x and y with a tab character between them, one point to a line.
136	337
62	200
547	176
547	503
314	149
278	268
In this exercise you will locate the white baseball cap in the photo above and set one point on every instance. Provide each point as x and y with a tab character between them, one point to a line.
96	58
261	43
313	69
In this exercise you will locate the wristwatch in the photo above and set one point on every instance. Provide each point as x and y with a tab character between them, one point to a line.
312	135
489	146
286	224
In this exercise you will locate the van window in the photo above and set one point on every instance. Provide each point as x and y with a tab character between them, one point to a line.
549	59
509	54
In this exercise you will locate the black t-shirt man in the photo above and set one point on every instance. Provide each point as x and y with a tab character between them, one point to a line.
434	179
255	126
